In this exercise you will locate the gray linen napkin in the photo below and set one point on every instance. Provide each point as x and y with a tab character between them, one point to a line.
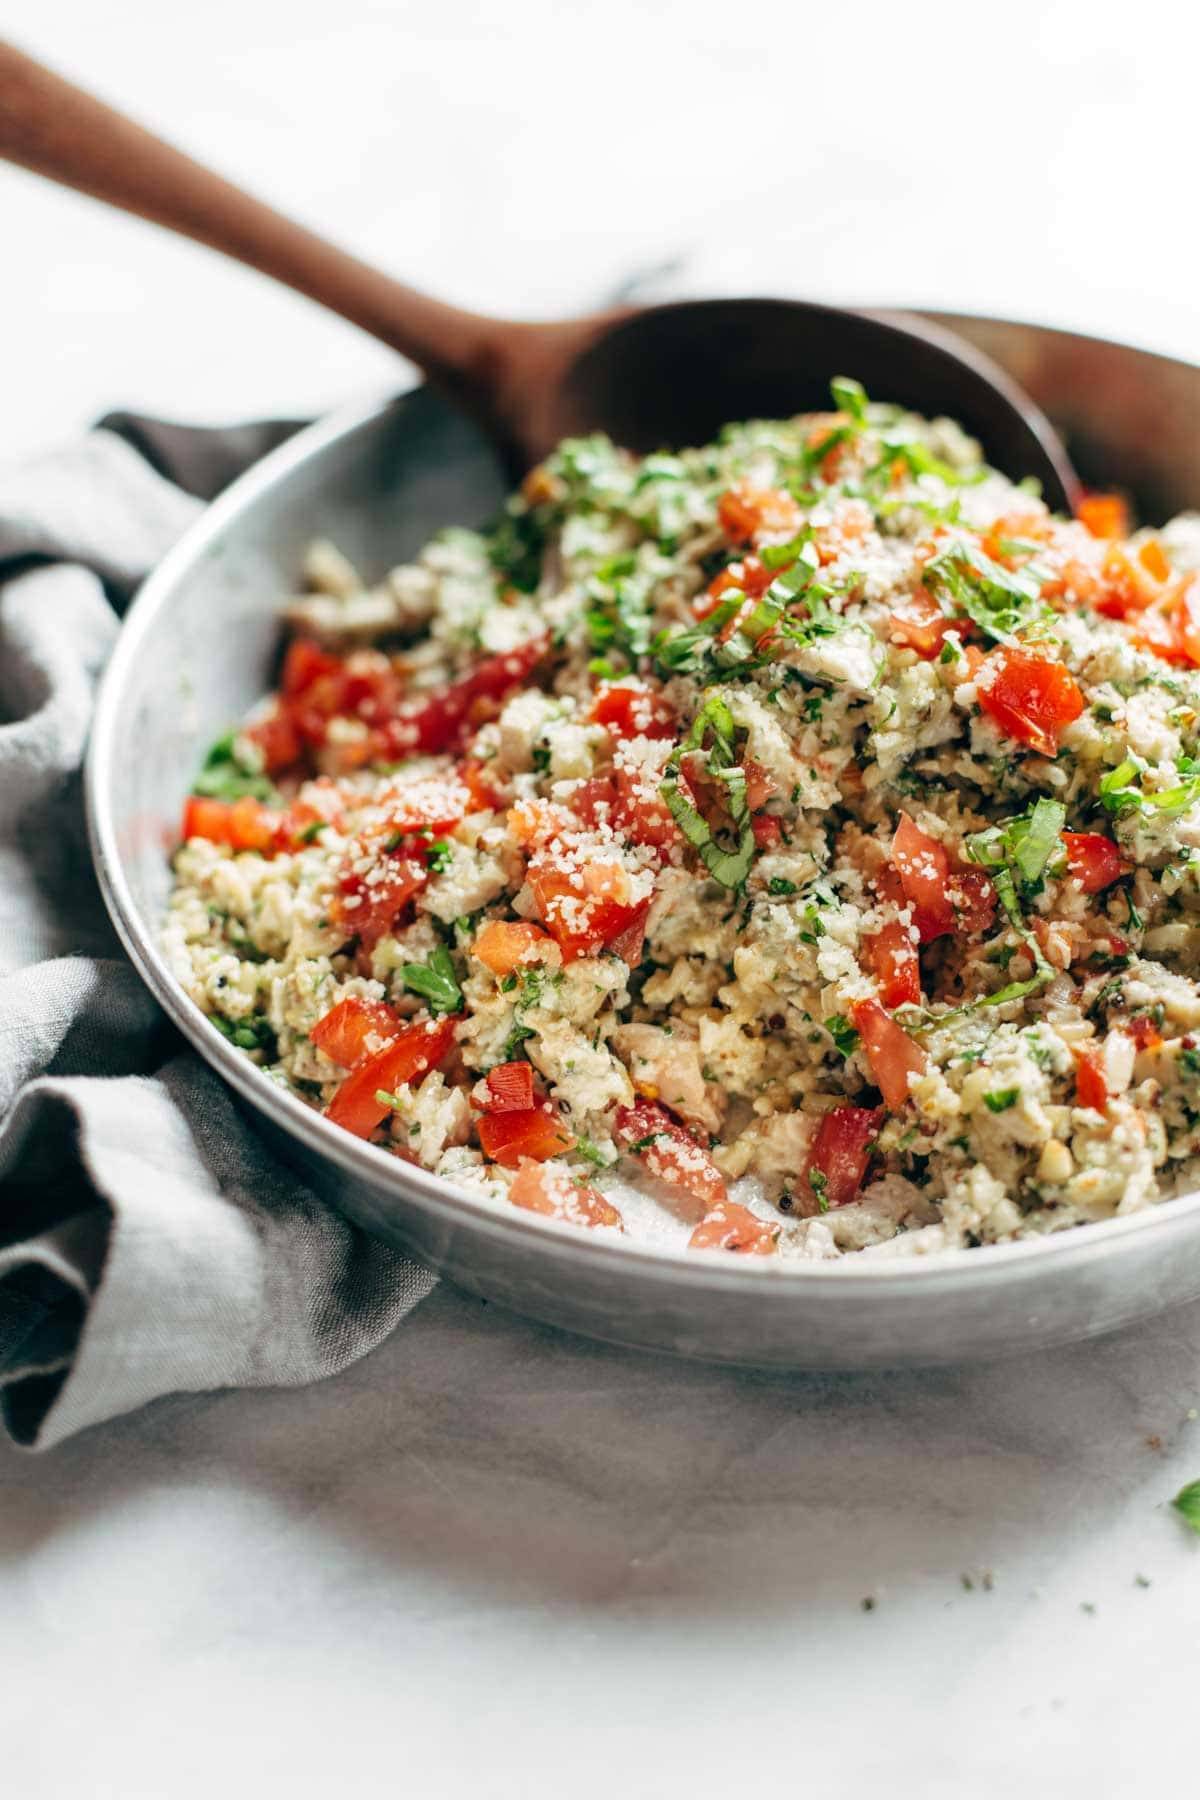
149	1242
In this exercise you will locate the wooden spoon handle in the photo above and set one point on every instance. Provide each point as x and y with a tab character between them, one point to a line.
57	130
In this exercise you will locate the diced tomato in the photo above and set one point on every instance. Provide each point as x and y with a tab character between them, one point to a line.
483	789
641	814
504	945
431	803
596	801
747	576
1029	697
629	710
1091	1088
345	1032
1029	527
252	825
841	1150
1073	578
435	723
731	1226
300	825
628	943
276	736
1187	622
1127	585
549	1189
749	513
921	625
892	959
824	432
244	824
1171	629
973	897
583	908
767	829
1154	559
1156	630
510	1088
414	1052
537	1132
890	952
760	783
891	1053
1105	515
669	1151
304	663
204	818
1093	860
533	822
367	903
1144	1032
923	866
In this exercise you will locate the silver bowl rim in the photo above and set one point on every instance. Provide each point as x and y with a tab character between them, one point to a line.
990	1264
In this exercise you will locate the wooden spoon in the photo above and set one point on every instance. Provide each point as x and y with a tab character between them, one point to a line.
664	375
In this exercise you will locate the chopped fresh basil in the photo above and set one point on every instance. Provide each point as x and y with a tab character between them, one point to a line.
845	1037
728	866
818	1181
1000	601
778	885
1001	1099
1027	845
585	1148
228	774
435	981
1120	790
516	546
849	396
248	1034
439	856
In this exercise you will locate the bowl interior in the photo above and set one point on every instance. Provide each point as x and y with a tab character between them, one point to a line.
190	670
201	645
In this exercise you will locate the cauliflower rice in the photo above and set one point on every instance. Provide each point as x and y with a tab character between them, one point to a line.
808	823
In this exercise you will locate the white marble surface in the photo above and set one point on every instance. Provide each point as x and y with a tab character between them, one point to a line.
489	1560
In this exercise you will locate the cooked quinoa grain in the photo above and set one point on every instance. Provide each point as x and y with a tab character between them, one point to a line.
808	823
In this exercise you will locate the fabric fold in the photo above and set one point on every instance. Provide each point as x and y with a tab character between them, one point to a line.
150	1243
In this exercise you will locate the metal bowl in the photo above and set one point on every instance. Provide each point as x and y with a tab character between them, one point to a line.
200	645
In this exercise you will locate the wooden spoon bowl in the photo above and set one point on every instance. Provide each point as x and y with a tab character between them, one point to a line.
665	376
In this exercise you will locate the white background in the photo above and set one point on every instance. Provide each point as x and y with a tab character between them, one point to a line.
490	1561
1034	158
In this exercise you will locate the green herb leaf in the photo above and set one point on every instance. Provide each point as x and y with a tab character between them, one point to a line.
1026	845
1000	601
1000	1099
227	775
248	1034
585	1148
1187	1505
778	885
849	396
435	981
1036	837
728	866
1120	793
845	1037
